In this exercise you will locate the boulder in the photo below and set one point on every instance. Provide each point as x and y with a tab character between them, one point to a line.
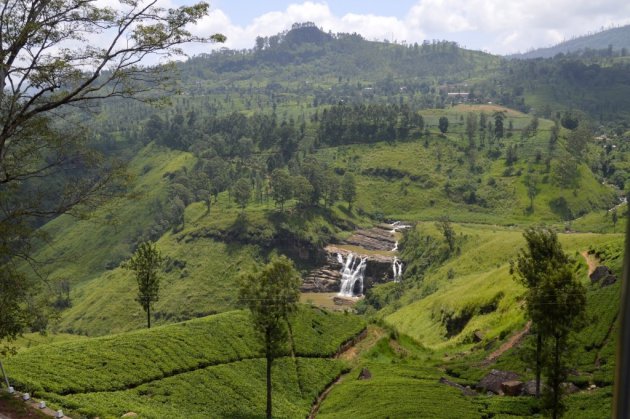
529	388
493	380
377	238
569	388
512	388
603	275
365	374
609	280
130	415
477	336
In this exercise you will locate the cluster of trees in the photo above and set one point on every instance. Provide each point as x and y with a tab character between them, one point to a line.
231	136
312	184
555	304
360	123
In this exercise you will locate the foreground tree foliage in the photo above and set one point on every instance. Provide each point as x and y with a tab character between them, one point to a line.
272	295
555	303
57	57
561	300
145	263
542	255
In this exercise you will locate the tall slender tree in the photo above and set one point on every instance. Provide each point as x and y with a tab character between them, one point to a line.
542	255
560	299
348	189
145	262
272	295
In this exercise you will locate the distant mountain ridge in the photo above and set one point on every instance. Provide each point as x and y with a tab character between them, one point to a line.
617	38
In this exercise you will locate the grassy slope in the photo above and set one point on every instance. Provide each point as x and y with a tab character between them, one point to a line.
119	361
480	276
407	365
207	283
76	252
88	252
234	390
441	160
212	362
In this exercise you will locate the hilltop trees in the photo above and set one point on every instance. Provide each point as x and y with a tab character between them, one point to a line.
272	295
444	225
281	187
242	192
145	262
555	302
348	189
51	64
499	117
443	124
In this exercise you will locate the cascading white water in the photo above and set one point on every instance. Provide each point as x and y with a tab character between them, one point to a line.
395	249
397	268
352	270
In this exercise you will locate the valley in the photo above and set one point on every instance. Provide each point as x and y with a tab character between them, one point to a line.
401	206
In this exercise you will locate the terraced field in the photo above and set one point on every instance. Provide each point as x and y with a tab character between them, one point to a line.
209	367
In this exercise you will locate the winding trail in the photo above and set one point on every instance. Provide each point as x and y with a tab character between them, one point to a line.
509	344
362	342
516	339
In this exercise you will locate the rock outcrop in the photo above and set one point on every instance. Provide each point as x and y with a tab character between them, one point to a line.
378	268
512	388
494	380
603	275
376	238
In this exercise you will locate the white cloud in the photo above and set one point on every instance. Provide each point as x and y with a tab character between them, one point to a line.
498	26
369	25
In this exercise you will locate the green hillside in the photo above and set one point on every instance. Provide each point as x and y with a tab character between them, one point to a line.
306	141
119	373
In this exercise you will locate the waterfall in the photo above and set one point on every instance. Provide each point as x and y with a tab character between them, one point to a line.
352	270
395	249
397	268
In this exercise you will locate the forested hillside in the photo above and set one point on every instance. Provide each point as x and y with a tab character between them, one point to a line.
436	157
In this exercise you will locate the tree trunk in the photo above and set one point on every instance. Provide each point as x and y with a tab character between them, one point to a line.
269	362
556	381
148	317
538	362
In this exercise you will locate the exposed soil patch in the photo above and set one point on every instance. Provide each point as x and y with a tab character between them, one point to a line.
591	261
322	397
13	408
509	344
361	343
373	335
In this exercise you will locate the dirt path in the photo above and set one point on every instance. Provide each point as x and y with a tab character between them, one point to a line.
323	396
350	354
591	261
512	342
372	336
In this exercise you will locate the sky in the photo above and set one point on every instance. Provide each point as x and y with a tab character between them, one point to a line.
496	26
